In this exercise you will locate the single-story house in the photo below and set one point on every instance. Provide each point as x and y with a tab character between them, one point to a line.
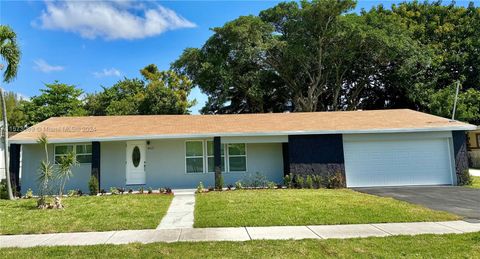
369	148
474	147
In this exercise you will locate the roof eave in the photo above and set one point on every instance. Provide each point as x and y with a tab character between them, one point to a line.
465	127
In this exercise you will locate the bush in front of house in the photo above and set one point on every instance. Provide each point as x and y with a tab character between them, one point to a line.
334	181
200	187
93	185
464	178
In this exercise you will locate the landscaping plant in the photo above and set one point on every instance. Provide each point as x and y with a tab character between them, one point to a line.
64	170
200	187
93	185
309	182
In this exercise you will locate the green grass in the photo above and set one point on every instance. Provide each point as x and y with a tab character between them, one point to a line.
305	207
87	213
423	246
476	182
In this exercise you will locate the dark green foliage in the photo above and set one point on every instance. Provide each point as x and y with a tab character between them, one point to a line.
3	190
55	100
219	183
288	181
336	180
464	178
309	182
93	185
159	92
299	181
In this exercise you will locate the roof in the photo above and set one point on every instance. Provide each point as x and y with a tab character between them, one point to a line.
109	128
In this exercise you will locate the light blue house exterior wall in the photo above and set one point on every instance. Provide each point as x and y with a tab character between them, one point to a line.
165	166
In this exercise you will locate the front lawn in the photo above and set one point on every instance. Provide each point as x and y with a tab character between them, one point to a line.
424	246
87	213
305	207
475	182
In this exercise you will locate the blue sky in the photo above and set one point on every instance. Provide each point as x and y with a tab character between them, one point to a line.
92	44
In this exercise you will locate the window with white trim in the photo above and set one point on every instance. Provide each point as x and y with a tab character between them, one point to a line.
194	156
237	157
211	159
83	152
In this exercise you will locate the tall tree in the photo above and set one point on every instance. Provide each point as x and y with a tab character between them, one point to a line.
230	68
10	53
160	92
56	100
15	115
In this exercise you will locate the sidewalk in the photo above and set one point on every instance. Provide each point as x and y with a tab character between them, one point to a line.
180	212
238	234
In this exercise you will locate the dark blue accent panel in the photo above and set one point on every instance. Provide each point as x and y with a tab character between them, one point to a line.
14	166
96	161
461	155
320	149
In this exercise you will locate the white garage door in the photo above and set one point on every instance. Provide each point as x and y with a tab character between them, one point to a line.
396	163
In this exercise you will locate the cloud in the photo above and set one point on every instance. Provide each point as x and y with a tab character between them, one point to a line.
110	20
42	65
108	72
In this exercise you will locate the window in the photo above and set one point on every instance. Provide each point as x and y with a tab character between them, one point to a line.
82	151
61	151
194	156
210	159
237	158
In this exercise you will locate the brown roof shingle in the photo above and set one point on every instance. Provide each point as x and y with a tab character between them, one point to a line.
60	129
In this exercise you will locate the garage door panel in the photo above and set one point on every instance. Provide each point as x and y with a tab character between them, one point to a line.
396	163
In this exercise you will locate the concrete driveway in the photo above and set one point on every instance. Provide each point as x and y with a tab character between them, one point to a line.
462	201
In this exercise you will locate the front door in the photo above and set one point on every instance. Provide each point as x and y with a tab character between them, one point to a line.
136	162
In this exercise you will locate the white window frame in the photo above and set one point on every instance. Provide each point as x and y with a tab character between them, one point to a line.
228	158
203	156
212	156
74	150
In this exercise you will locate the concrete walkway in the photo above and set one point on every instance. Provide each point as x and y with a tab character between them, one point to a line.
238	234
180	212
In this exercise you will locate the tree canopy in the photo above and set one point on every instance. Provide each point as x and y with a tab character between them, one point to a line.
159	92
319	56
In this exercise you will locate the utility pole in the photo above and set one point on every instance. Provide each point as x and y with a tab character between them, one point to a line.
455	102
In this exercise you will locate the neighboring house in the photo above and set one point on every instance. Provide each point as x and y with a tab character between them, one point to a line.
369	148
474	147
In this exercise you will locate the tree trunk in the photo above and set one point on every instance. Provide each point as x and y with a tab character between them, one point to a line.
5	145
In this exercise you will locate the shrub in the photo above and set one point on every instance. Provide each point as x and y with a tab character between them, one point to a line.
121	190
317	181
102	192
79	192
93	185
114	190
29	194
336	181
211	189
219	184
3	190
465	178
287	181
230	187
130	190
238	185
309	182
271	185
140	190
162	190
299	181
168	190
200	187
71	193
150	190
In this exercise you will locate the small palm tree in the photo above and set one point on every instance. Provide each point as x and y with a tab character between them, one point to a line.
10	53
64	171
45	173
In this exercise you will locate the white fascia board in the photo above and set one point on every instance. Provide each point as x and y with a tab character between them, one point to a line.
250	134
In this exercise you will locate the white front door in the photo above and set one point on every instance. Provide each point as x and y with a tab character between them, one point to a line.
136	151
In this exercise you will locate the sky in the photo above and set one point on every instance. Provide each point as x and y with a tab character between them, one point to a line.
92	44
